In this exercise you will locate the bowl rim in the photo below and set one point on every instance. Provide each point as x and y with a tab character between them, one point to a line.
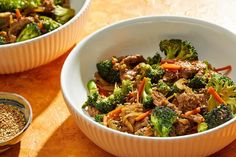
26	102
72	20
164	18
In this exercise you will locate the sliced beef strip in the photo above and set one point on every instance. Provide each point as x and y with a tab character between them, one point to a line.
189	101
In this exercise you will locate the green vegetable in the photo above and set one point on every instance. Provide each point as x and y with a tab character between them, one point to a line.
202	127
154	72
58	2
2	40
146	96
49	24
163	87
156	59
30	31
226	88
106	71
107	104
99	117
178	49
218	116
162	119
12	5
62	15
198	82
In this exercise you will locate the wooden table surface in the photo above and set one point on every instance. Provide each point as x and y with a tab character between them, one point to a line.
53	131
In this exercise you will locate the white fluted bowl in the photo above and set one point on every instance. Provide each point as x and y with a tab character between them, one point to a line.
18	57
142	35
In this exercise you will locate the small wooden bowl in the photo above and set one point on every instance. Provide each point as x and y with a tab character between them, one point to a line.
24	106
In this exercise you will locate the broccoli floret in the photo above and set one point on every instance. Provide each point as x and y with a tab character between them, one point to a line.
58	2
106	104
202	127
2	40
146	96
11	5
30	31
156	59
99	117
162	119
120	92
106	71
176	48
49	24
198	82
221	80
62	15
163	87
93	93
154	72
173	89
218	116
226	88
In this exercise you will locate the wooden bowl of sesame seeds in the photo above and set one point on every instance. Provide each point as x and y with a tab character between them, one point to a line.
15	118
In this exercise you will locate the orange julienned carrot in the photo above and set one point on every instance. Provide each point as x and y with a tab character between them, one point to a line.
170	66
143	115
18	13
217	97
40	25
229	67
115	112
194	111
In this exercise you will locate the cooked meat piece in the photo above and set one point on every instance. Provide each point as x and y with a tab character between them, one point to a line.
49	5
170	76
132	97
92	111
173	107
189	101
145	131
5	19
159	98
18	25
128	62
196	118
128	75
181	127
188	69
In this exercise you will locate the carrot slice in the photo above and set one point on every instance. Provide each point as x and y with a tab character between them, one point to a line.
228	68
170	66
194	111
216	96
18	13
114	113
143	115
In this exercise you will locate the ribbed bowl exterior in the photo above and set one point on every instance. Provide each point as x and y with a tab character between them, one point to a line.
141	35
130	146
21	57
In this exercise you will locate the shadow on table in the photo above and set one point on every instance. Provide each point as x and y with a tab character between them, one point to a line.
68	140
12	152
39	86
228	151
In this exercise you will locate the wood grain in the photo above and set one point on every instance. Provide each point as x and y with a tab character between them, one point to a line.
53	131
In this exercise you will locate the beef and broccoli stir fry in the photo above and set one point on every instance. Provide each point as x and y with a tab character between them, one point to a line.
171	96
21	20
